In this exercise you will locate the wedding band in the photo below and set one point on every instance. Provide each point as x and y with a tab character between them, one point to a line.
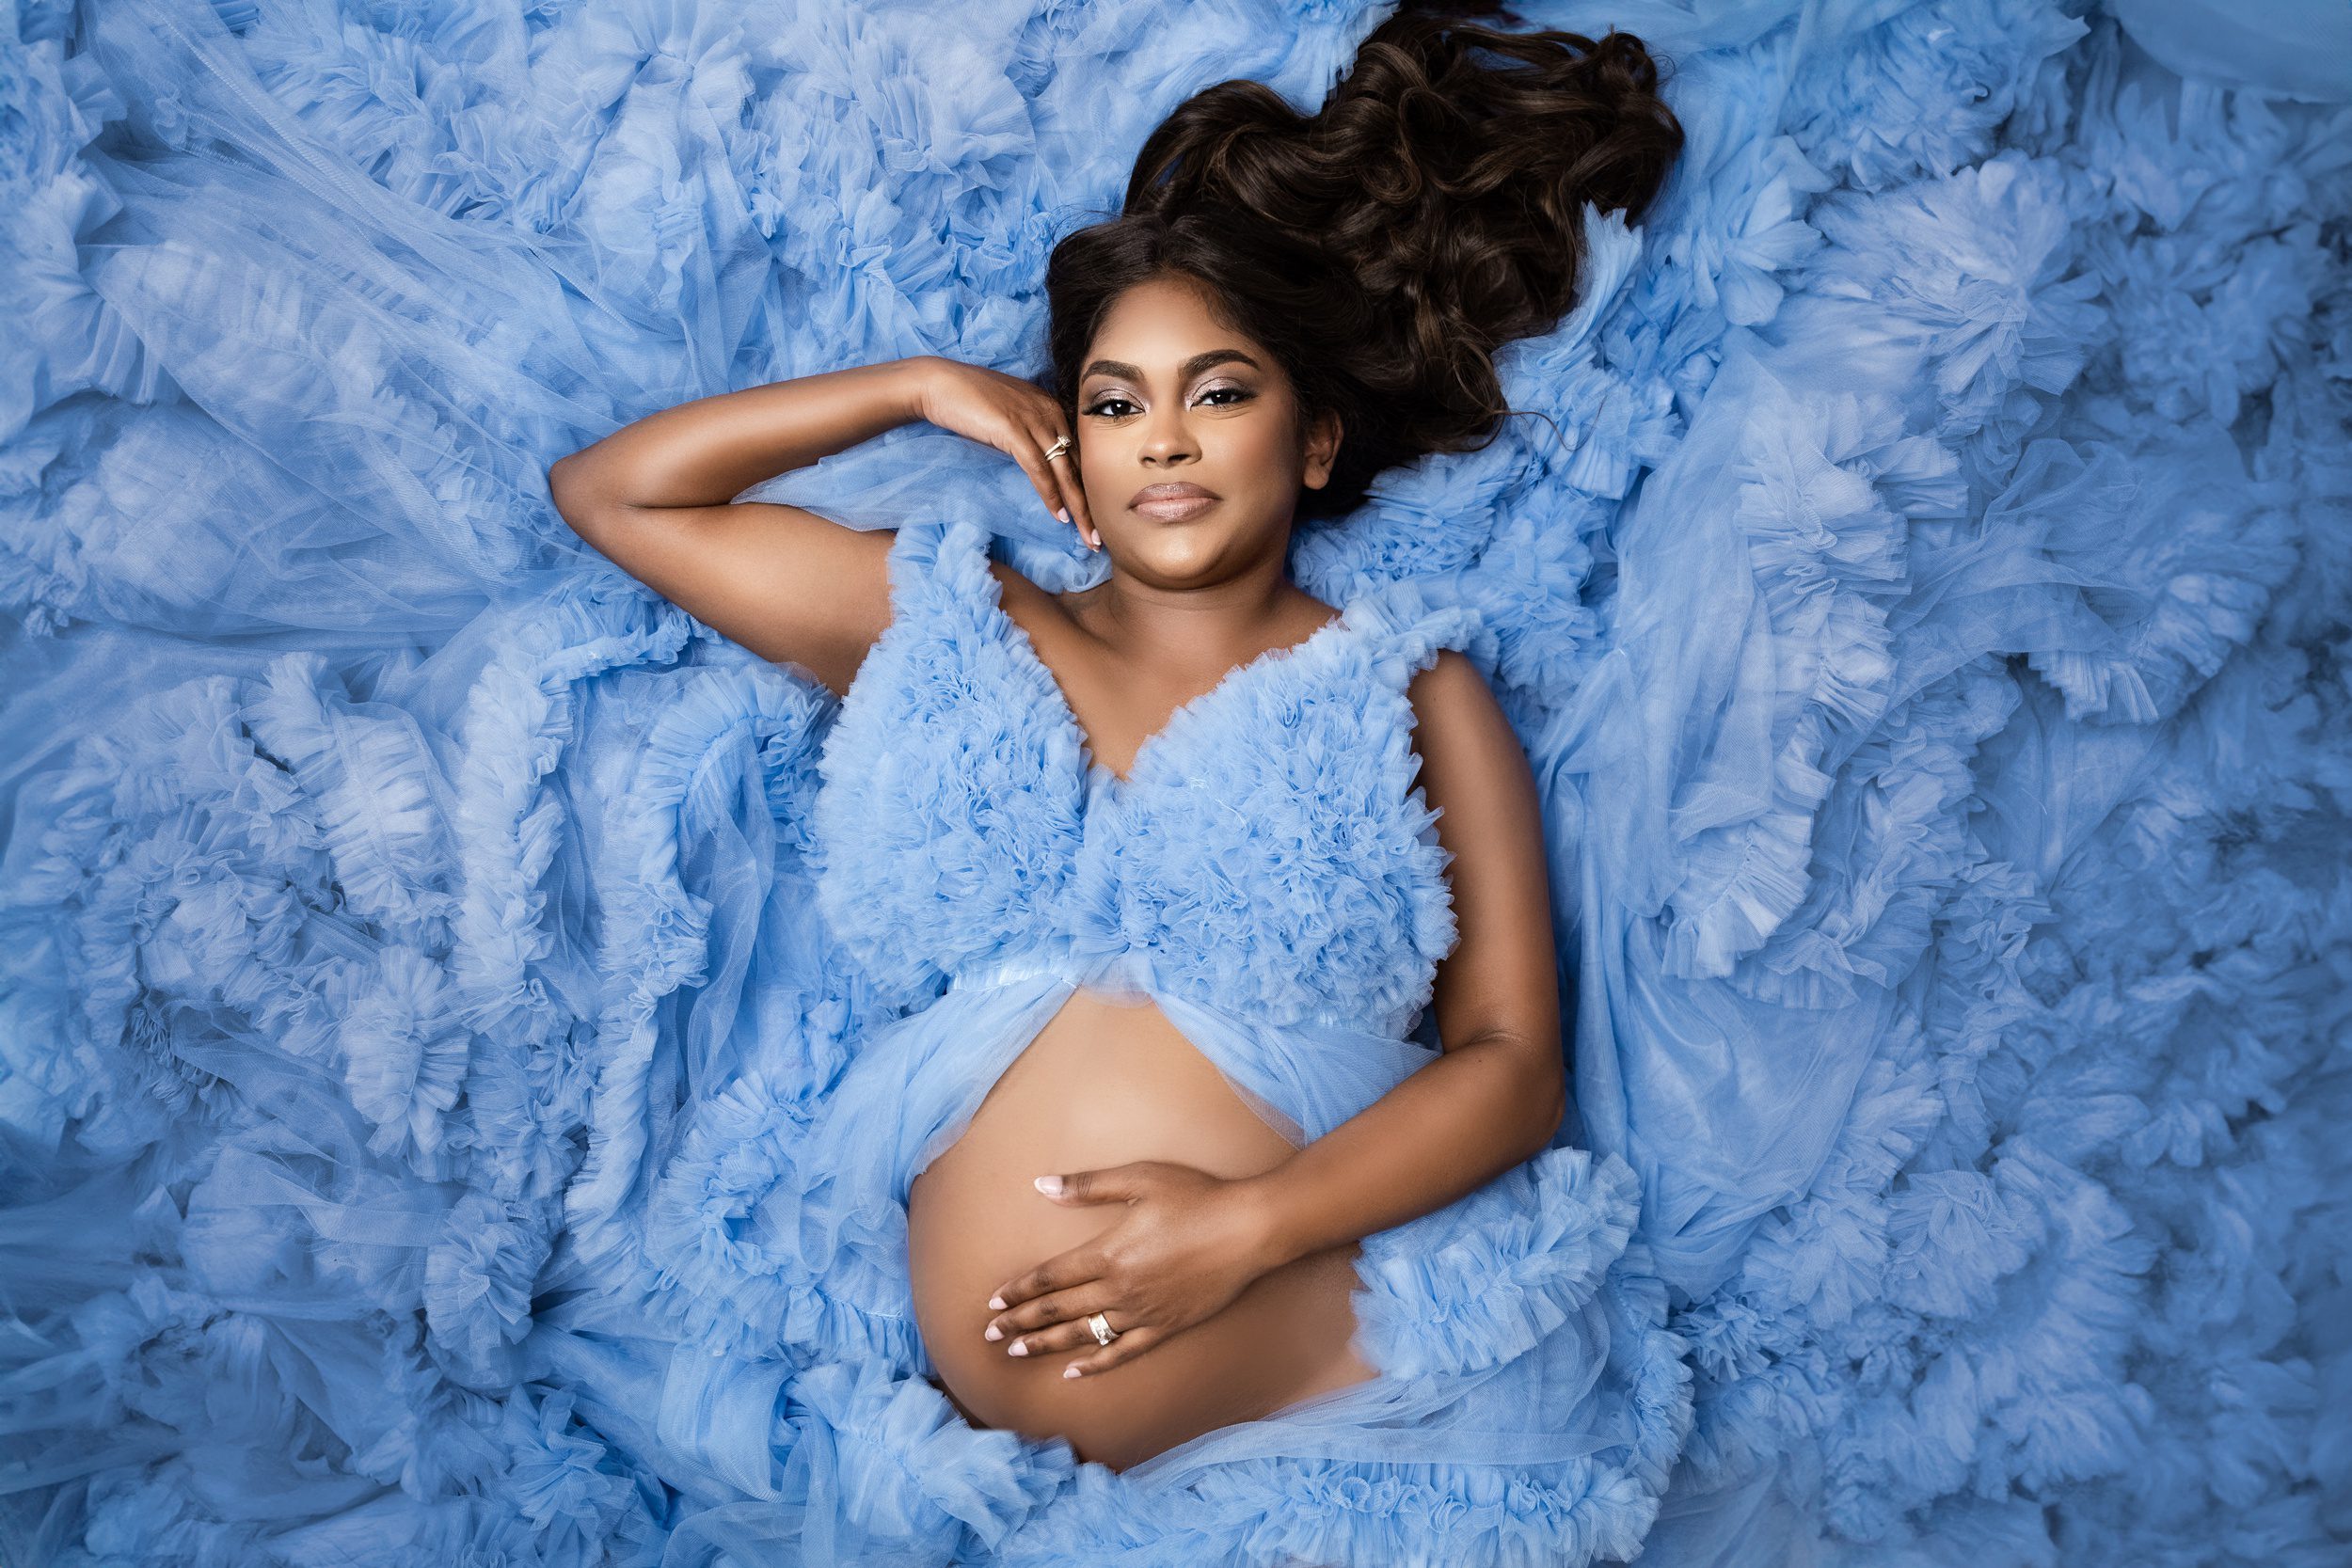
1061	444
1104	1332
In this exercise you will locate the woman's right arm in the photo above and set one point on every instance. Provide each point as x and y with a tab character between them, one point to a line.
657	499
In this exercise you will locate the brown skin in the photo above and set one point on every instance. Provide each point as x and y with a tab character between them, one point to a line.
1185	603
1187	600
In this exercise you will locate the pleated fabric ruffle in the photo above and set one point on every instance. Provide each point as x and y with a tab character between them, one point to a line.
1529	1394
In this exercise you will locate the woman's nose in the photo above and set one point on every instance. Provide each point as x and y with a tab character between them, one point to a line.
1169	441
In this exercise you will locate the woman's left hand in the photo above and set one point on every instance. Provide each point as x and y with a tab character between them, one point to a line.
1187	1245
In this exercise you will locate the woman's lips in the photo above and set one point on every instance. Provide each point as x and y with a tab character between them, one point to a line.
1176	509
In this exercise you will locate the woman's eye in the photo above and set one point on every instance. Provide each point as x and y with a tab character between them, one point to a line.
1238	394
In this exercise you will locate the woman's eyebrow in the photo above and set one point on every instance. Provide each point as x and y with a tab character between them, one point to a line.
1185	372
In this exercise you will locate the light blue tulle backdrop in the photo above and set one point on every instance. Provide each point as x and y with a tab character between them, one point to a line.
1926	609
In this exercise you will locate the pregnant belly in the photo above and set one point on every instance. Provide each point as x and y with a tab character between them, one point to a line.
1107	1082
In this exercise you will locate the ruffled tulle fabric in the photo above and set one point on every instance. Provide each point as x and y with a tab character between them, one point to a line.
1530	1396
1920	584
964	819
1505	1423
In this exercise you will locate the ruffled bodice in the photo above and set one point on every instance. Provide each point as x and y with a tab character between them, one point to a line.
1269	853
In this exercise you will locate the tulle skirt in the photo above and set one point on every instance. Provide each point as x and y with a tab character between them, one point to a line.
1528	1407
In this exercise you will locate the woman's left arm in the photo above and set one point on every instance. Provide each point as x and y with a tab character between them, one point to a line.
1492	1099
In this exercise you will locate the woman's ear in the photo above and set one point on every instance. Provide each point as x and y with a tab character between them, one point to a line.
1323	450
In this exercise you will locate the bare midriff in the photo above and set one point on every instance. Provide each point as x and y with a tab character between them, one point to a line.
1109	1080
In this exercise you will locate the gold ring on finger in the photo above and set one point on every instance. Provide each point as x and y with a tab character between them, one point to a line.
1104	1332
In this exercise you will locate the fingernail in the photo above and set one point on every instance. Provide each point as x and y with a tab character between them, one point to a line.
996	1304
1071	1371
1063	512
994	1334
1020	1347
1049	1185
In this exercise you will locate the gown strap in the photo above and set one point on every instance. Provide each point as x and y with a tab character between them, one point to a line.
914	562
941	589
1408	622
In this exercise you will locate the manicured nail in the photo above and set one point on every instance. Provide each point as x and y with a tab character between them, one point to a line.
1063	512
1071	1371
1049	1185
994	1334
996	1304
1019	1346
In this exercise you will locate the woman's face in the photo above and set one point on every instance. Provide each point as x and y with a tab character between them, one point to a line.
1169	397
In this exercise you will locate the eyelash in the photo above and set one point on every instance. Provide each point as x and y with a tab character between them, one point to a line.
1241	394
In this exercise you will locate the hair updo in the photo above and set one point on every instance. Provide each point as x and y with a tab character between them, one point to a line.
1384	247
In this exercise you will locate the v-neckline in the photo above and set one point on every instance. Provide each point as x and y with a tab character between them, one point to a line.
1018	637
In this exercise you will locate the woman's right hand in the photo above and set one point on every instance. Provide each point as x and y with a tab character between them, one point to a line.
1019	418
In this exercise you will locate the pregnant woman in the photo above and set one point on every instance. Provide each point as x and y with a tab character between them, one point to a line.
1163	878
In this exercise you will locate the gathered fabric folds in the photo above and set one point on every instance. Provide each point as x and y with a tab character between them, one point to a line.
1529	1406
461	1054
1285	909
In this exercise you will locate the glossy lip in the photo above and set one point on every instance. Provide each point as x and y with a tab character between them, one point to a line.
1172	500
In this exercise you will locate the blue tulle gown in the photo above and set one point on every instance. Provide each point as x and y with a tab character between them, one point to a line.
432	999
1286	906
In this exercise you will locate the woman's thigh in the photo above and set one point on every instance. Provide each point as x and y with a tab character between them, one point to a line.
1104	1084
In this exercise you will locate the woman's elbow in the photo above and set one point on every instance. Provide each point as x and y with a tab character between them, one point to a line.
584	501
1546	1092
1555	1103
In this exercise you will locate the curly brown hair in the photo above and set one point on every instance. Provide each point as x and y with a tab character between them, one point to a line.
1384	247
